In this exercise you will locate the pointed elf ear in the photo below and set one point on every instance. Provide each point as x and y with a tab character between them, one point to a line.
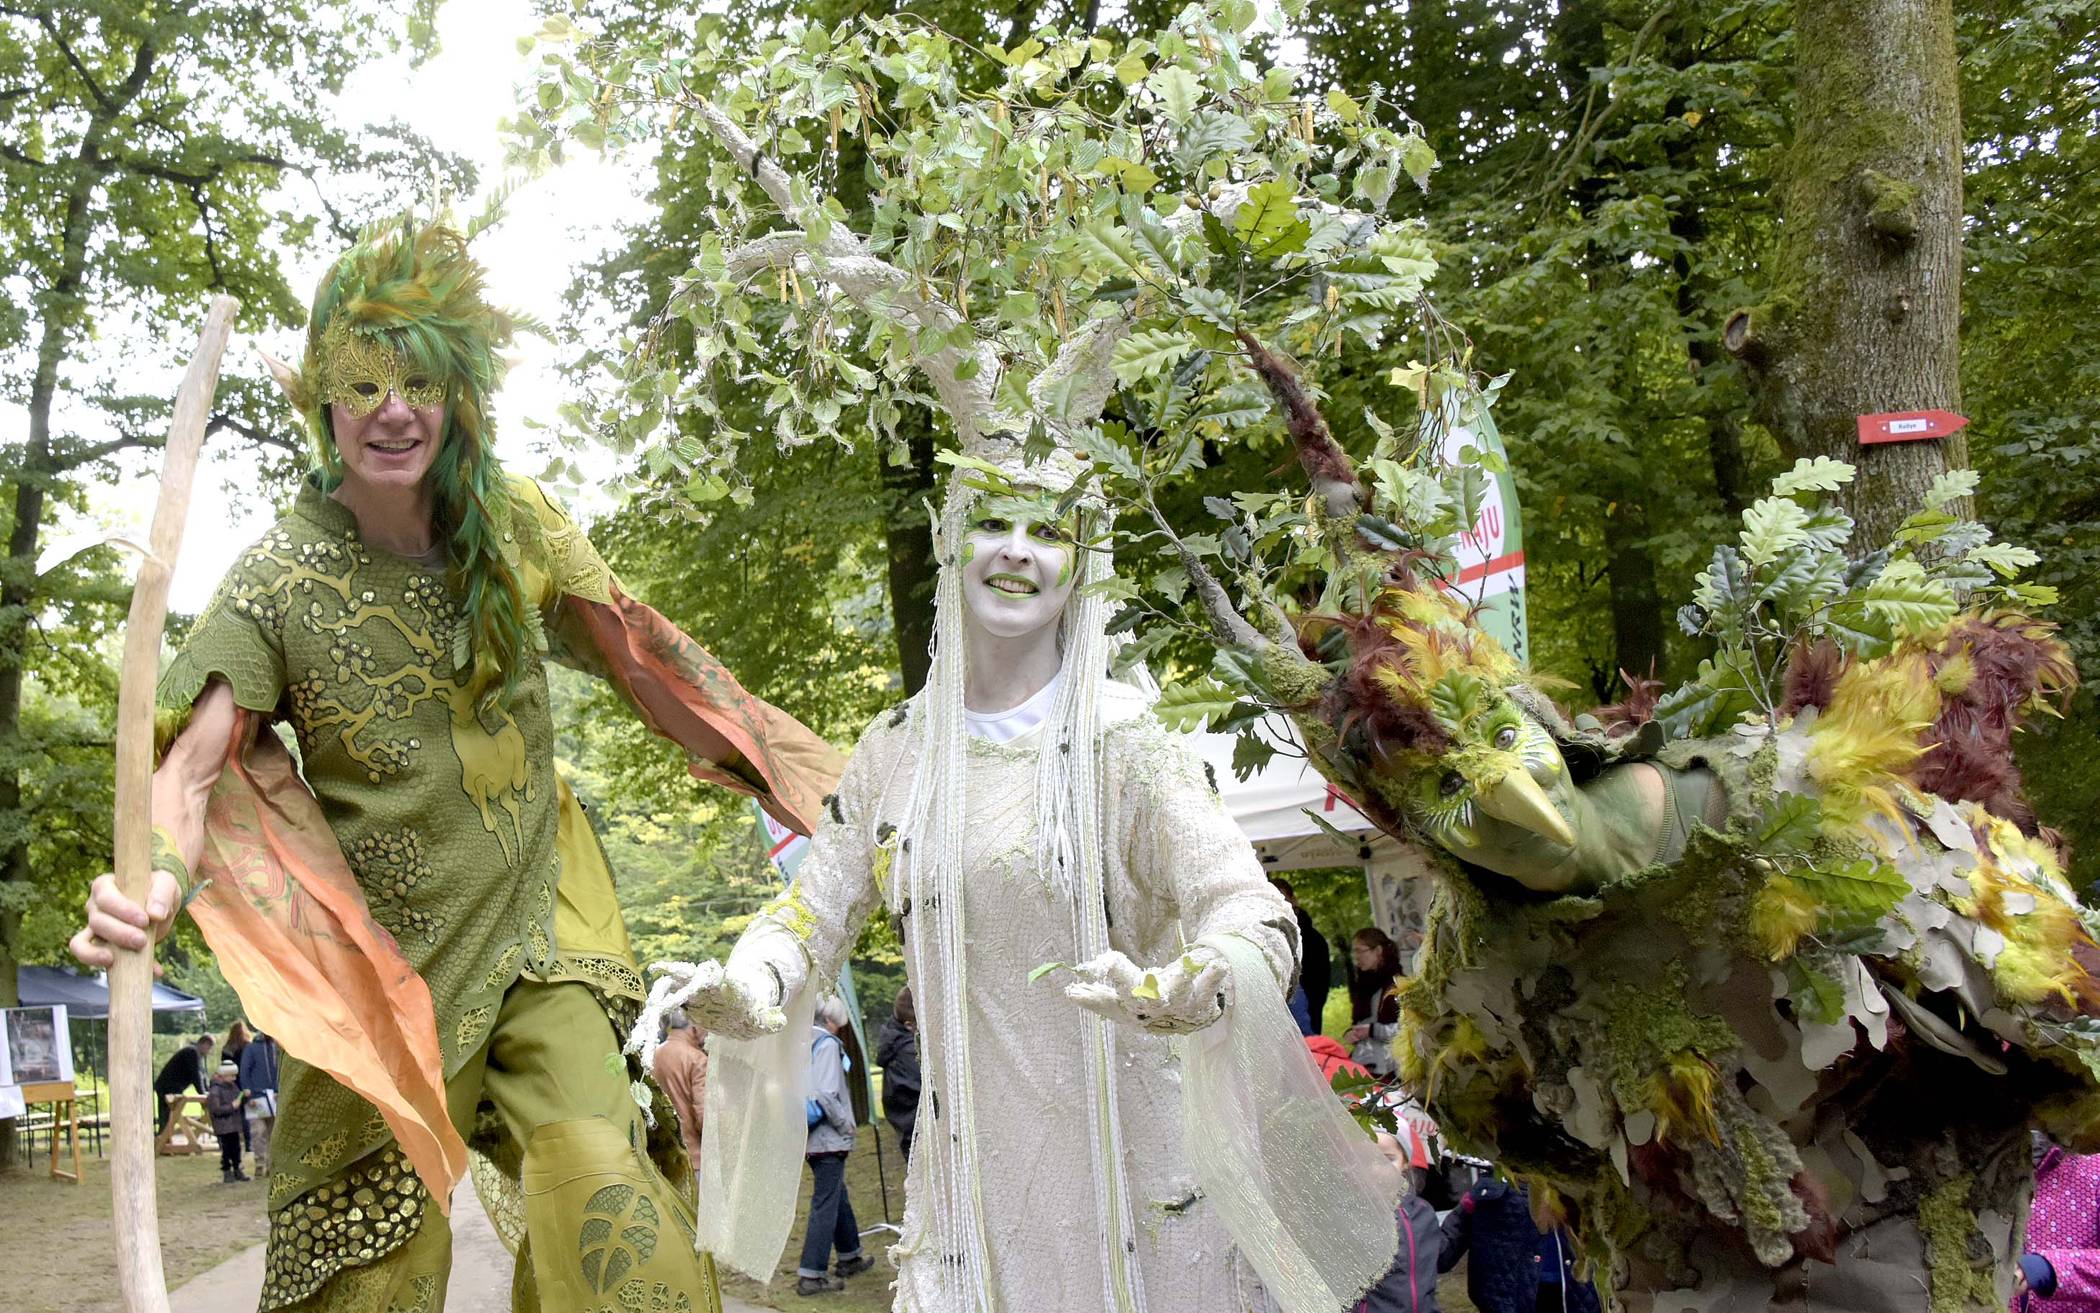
288	380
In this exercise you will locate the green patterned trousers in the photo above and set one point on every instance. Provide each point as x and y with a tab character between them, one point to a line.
605	1233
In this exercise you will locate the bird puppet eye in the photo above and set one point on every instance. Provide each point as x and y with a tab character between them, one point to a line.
1451	784
1506	737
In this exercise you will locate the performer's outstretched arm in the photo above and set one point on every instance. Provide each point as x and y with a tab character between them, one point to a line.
181	787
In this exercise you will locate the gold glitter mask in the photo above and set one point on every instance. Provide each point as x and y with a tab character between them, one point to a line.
357	373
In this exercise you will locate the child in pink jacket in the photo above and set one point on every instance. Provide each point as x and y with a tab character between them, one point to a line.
2061	1268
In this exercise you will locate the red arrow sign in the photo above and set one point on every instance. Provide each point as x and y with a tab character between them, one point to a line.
1909	426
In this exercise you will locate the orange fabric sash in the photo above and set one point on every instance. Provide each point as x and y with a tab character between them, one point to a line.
289	926
684	694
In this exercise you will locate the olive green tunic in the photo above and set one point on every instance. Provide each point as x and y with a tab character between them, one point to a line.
450	817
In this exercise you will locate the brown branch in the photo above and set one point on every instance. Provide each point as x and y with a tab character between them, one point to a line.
1586	135
42	18
1326	464
260	437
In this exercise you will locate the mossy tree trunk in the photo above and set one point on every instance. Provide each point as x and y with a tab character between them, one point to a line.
1866	277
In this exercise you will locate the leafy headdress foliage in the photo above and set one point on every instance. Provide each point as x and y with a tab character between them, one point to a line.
413	286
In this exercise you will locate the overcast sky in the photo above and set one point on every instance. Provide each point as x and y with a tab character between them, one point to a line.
554	224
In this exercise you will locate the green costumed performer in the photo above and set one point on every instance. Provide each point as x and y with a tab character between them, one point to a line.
419	910
1762	994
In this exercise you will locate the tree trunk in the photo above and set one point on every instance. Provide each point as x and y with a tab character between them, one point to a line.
59	312
1866	281
909	534
1636	598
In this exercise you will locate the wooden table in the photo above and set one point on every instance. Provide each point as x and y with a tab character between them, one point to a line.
55	1093
187	1127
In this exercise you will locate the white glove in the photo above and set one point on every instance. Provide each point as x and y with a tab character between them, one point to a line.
1179	998
735	1002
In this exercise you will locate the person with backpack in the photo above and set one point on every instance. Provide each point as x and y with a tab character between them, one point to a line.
832	1226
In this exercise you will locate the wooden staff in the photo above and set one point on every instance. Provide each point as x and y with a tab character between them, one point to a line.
133	1199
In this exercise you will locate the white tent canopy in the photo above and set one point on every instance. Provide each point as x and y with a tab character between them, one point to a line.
1272	809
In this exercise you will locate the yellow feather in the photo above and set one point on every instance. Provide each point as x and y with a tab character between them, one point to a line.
1681	1094
1869	736
1780	914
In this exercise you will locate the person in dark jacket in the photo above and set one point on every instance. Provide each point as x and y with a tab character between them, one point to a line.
181	1072
897	1053
1516	1268
229	1117
1410	1285
258	1066
1315	960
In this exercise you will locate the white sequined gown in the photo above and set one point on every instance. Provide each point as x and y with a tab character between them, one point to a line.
1176	869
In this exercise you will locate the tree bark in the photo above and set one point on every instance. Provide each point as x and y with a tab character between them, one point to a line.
909	536
1866	286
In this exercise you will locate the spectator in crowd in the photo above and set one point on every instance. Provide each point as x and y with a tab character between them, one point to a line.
2060	1272
1516	1268
258	1078
681	1073
236	1042
897	1053
1315	960
184	1071
1410	1285
831	1134
228	1110
1374	1010
237	1038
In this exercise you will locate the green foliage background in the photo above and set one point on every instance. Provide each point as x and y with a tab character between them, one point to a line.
1606	198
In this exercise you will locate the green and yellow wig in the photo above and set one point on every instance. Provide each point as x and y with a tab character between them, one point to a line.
413	287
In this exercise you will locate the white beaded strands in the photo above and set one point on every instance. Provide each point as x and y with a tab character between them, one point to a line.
1069	807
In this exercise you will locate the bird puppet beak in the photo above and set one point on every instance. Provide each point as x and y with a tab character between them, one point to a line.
1517	798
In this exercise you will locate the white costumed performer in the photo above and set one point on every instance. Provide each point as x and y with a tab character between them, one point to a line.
1139	1152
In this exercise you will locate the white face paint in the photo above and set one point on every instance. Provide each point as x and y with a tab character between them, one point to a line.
1019	567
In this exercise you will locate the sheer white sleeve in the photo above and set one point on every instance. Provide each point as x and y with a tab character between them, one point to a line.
1181	844
750	1158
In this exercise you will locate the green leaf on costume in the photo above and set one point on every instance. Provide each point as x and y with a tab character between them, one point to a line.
1044	970
1951	486
1812	474
1816	995
1909	602
1771	526
1250	753
1144	354
1193	705
1457	698
1178	91
1854	895
1789	824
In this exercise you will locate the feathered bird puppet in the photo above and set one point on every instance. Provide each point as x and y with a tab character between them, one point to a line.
1762	984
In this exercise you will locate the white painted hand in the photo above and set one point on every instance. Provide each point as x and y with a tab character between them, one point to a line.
1179	998
735	1003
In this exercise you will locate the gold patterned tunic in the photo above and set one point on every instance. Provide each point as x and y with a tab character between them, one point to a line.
467	846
